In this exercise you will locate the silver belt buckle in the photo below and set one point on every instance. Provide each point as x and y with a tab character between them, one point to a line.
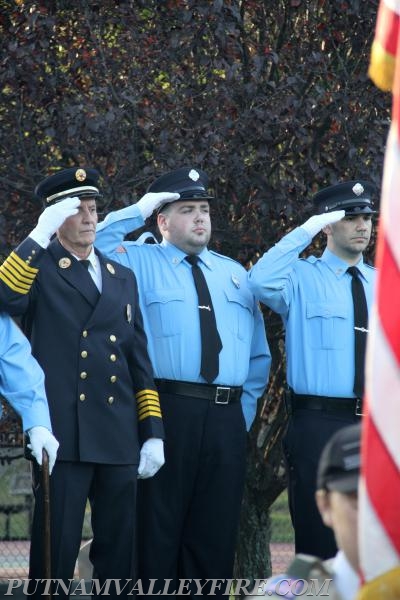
358	411
222	395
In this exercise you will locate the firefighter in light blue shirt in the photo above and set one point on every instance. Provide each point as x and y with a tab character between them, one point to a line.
22	385
189	514
315	300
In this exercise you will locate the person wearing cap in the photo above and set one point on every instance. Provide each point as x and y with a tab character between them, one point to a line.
337	499
189	513
86	330
325	366
22	385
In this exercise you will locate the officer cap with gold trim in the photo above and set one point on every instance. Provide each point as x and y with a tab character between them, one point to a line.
355	197
75	181
189	182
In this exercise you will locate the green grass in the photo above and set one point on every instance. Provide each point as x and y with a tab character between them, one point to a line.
18	526
15	498
281	525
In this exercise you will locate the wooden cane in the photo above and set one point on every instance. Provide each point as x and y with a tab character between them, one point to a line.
46	519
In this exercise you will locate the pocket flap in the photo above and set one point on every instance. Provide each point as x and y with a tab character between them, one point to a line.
326	310
163	296
244	299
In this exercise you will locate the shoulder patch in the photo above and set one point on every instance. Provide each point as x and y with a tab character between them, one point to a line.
120	250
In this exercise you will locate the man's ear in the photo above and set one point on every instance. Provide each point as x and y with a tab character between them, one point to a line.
323	501
162	222
327	229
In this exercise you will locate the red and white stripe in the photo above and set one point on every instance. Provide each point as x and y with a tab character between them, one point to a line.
380	479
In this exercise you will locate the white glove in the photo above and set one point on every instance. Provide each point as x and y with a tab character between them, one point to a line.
41	438
153	200
318	222
52	218
151	458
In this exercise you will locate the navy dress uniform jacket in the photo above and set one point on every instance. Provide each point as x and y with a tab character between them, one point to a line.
93	349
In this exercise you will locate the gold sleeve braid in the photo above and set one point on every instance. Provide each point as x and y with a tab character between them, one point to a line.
148	404
17	274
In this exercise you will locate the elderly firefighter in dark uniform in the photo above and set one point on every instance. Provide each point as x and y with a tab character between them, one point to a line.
85	326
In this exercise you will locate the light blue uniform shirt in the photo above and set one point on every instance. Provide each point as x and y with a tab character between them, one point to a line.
21	377
169	305
314	298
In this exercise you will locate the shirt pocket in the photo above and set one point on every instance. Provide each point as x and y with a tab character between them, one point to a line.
239	317
327	325
164	308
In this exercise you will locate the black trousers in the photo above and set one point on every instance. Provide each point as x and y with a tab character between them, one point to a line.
111	490
188	514
308	432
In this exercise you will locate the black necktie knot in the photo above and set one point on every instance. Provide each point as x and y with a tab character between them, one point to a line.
354	271
193	259
85	263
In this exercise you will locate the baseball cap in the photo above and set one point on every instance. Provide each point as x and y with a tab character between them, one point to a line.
339	465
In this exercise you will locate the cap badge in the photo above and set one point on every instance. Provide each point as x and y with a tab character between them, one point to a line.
358	189
235	281
194	175
64	262
80	175
110	268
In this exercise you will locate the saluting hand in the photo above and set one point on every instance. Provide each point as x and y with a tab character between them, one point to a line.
318	222
153	200
52	218
151	458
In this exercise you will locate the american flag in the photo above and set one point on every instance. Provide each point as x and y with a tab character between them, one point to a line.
379	505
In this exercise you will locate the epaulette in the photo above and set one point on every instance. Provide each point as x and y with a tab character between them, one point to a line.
225	257
146	238
310	259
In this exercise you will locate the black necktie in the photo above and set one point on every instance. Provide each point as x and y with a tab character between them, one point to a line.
91	287
360	329
211	344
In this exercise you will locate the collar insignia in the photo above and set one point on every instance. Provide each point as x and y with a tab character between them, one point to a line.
64	263
235	281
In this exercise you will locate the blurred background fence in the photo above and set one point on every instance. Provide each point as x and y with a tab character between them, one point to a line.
16	506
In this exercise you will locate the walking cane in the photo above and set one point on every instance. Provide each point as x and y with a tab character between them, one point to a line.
46	519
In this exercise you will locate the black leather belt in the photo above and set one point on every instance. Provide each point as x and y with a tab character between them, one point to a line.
219	394
326	403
